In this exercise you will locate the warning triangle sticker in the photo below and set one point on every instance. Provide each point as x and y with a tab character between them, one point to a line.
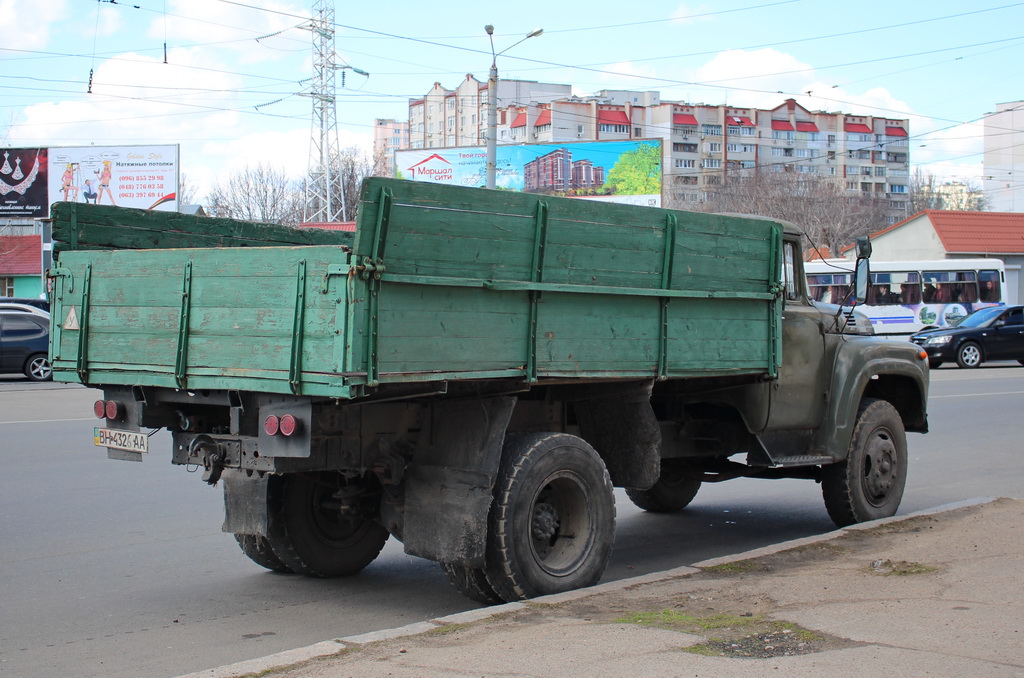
71	322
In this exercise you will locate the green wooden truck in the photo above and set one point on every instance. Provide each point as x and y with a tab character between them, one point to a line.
473	371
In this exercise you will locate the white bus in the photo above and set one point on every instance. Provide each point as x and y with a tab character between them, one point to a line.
907	296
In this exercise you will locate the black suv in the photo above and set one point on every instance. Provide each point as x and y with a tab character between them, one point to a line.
993	333
24	343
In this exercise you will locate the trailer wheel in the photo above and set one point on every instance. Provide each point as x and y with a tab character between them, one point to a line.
257	548
869	483
552	521
310	533
673	491
472	583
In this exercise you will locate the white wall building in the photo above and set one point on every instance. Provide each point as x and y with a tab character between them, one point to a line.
1004	158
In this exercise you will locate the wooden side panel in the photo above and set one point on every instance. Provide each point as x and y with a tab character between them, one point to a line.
473	241
238	308
87	226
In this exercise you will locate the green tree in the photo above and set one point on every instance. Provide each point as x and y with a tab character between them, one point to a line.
637	172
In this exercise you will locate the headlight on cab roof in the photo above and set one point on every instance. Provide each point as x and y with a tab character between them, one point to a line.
937	341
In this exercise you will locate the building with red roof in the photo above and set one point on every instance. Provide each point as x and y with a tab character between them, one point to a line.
949	234
21	264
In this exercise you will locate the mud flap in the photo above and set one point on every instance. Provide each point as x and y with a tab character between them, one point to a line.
245	503
448	487
622	427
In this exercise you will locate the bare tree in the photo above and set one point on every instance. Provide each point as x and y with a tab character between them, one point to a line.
187	192
922	193
352	165
830	215
259	193
926	193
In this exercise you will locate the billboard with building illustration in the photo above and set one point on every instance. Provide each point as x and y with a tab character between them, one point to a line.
616	171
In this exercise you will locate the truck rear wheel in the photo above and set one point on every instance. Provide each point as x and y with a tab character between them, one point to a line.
472	583
673	491
257	548
869	483
310	533
552	521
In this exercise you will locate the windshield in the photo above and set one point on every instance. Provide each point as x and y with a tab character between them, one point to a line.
981	317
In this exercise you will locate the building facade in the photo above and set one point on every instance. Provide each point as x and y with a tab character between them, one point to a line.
388	137
445	118
1004	158
705	147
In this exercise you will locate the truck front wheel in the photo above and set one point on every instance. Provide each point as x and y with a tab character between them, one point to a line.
673	491
313	532
869	483
552	521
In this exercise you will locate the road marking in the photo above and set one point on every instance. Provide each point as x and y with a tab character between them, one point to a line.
975	395
45	421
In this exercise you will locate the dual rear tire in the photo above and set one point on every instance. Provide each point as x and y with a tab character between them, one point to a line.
309	534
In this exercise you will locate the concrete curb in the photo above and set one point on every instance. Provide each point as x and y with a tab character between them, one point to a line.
288	658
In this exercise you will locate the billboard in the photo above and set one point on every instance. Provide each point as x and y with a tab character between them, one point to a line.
23	183
615	171
145	177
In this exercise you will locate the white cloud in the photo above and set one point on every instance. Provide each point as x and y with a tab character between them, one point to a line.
27	25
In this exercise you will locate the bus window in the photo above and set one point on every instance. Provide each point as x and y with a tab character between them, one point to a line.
897	287
950	287
817	286
989	284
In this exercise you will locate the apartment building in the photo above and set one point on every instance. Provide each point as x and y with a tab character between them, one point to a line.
444	118
705	147
388	137
1004	158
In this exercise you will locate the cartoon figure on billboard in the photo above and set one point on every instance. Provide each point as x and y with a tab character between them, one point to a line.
104	179
88	193
67	182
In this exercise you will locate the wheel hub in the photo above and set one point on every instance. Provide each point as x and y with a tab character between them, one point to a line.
545	522
879	470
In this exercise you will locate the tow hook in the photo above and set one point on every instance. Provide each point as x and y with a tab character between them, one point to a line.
213	457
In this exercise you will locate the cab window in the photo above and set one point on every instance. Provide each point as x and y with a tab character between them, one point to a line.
789	271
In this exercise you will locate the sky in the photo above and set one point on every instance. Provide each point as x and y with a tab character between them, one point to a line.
229	80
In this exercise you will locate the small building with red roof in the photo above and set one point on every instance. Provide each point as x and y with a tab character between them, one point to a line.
21	264
949	234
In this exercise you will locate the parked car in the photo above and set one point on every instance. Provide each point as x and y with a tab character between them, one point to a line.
42	304
993	333
24	344
23	308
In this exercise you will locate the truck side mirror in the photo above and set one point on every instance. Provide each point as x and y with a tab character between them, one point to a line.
863	247
862	276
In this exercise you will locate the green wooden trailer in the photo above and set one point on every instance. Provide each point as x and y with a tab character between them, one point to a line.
438	284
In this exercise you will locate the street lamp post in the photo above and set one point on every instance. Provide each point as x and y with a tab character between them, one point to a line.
492	102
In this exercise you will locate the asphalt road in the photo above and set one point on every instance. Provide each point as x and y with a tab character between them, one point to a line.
120	569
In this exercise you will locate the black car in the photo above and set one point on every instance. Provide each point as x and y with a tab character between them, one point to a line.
993	333
30	301
24	343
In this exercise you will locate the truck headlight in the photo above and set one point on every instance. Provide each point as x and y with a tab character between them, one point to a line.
938	341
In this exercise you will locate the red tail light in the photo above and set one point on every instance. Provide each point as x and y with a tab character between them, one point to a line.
113	409
289	425
271	425
109	409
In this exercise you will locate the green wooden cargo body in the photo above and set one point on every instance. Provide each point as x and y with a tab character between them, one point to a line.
439	283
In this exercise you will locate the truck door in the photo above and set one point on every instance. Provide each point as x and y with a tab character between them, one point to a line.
798	397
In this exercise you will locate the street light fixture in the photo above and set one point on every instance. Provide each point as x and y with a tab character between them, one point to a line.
492	101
